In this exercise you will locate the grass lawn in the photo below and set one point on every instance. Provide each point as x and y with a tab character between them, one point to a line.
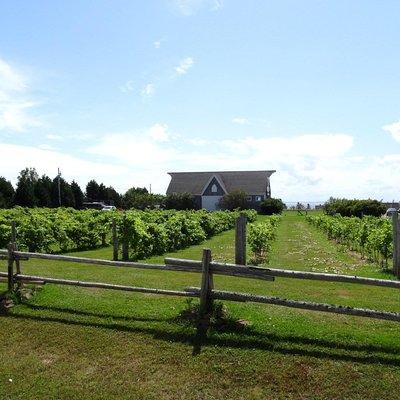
77	343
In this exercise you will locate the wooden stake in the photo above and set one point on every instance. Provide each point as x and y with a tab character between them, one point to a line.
240	240
115	240
14	240
125	245
10	272
396	244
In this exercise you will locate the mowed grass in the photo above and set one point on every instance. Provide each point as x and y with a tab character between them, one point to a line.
77	343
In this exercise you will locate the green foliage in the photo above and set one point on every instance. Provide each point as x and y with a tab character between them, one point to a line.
235	200
149	232
180	201
260	237
140	199
78	195
371	236
6	193
354	208
272	206
25	192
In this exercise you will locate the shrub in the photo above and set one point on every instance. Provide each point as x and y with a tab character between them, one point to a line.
180	201
354	208
235	200
260	238
272	206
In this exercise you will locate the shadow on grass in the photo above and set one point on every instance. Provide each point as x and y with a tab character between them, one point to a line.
248	339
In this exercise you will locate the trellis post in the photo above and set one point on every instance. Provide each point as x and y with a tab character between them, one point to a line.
125	245
396	243
14	240
115	240
10	277
240	240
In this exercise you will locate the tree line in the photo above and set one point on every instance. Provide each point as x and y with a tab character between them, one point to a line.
33	190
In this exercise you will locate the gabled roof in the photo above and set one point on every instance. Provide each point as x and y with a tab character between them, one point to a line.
251	182
219	180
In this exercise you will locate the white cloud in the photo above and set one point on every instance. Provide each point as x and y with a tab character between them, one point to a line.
158	43
191	7
159	133
393	129
127	87
15	104
217	5
53	137
184	66
148	90
309	167
137	148
240	121
16	157
46	146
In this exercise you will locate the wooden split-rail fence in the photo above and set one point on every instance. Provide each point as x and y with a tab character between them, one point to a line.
206	292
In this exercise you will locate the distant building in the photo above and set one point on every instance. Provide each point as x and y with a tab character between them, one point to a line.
209	187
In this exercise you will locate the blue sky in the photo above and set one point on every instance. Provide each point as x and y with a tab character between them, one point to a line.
124	91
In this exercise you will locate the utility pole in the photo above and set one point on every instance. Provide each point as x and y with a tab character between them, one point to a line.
59	187
150	188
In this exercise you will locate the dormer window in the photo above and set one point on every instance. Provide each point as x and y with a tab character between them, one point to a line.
214	188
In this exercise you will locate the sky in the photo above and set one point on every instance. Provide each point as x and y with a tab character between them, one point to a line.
125	91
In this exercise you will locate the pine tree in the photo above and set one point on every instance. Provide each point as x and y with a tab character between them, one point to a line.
43	188
25	192
6	193
78	195
92	191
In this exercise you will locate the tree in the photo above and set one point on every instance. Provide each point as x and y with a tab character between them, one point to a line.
113	197
140	198
25	192
6	193
180	201
272	206
92	191
66	194
78	195
43	188
102	194
237	199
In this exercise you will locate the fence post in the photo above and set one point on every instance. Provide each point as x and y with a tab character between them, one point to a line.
206	287
10	278
240	240
396	244
115	240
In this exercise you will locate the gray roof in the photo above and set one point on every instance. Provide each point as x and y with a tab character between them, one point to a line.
251	182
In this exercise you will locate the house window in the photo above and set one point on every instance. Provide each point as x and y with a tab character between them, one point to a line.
248	198
214	188
258	198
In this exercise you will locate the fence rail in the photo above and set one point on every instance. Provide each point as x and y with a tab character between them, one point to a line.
206	293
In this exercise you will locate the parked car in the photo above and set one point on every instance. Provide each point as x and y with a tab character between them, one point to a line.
390	211
108	208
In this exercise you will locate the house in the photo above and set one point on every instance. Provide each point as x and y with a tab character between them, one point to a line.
208	187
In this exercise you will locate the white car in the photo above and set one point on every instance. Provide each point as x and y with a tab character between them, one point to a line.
108	208
390	211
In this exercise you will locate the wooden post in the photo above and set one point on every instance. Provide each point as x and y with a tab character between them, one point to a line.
14	241
10	278
115	240
125	245
396	244
206	287
240	240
